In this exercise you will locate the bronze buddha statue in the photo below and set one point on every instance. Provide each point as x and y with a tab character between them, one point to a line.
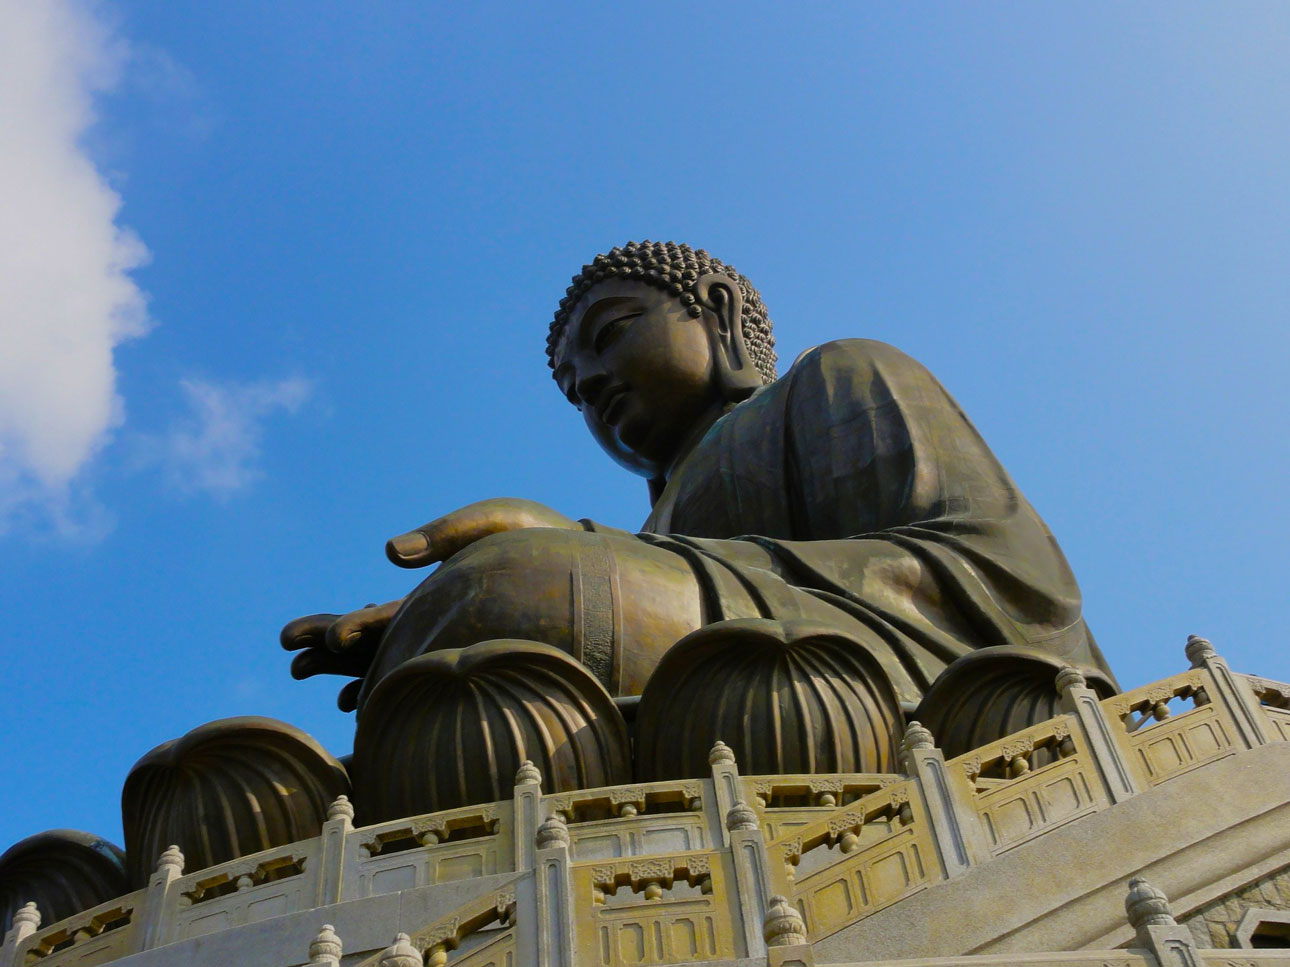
850	497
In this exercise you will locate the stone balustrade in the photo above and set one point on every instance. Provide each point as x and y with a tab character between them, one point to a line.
684	870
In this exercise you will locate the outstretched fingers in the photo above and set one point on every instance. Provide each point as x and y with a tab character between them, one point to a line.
356	635
306	632
316	661
320	661
347	699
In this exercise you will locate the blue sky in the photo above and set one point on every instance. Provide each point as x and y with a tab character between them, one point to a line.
358	219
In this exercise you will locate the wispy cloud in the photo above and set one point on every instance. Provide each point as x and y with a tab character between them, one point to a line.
215	448
66	296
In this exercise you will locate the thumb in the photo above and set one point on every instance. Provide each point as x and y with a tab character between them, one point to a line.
412	549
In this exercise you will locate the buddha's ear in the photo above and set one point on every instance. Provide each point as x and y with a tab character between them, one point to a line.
723	302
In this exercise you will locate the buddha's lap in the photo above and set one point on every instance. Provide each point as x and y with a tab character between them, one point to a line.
586	593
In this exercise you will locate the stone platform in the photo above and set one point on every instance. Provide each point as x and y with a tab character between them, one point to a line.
1020	852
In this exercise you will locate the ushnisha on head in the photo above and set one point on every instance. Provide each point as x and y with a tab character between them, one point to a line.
651	342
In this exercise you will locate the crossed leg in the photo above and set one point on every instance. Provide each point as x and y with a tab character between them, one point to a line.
613	602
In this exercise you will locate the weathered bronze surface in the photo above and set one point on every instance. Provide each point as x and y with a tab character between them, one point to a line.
62	871
851	492
494	704
227	789
797	697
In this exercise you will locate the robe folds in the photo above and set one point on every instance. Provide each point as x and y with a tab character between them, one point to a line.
855	491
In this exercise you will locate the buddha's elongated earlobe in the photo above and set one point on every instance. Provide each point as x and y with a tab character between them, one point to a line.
722	302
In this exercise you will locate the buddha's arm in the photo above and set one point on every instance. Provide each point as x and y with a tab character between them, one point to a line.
344	644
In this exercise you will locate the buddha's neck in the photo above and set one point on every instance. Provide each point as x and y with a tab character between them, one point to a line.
696	433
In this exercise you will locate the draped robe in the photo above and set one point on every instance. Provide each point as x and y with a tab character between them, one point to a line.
854	490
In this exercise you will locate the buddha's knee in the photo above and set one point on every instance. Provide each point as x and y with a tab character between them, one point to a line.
494	706
788	697
227	789
614	603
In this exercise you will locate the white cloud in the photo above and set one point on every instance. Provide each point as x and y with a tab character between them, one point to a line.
66	296
216	448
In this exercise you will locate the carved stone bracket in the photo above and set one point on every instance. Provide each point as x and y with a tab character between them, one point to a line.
826	785
443	932
659	870
1266	690
641	873
1018	747
791	849
843	823
505	904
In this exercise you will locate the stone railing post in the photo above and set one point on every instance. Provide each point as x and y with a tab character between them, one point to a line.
528	812
330	885
1233	693
740	831
1155	928
725	785
955	826
528	916
524	830
555	930
25	922
326	949
1080	701
161	902
752	879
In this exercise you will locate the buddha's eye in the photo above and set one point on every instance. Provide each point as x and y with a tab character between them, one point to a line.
608	334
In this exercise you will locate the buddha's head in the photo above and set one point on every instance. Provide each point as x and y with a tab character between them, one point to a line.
653	339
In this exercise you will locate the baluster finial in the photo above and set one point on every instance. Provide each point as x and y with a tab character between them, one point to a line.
326	947
1146	906
721	753
340	808
917	737
528	773
401	953
1070	677
28	915
784	926
1199	650
553	832
741	817
171	858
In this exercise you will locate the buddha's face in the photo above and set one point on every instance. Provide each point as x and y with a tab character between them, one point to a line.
641	369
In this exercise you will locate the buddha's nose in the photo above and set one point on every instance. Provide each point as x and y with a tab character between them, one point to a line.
591	386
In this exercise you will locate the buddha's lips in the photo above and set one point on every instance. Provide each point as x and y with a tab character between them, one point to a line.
610	405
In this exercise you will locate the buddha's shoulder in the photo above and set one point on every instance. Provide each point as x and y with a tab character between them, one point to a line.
850	354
